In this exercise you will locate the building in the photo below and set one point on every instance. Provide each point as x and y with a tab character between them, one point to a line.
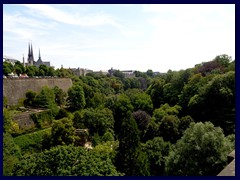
10	60
101	72
80	71
126	73
30	59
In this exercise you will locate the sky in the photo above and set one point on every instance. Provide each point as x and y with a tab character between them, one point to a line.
123	36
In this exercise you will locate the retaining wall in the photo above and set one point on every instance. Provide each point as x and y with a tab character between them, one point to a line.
14	89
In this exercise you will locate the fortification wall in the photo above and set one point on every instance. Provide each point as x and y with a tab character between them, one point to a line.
14	89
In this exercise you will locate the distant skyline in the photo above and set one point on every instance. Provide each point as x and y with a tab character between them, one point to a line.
123	36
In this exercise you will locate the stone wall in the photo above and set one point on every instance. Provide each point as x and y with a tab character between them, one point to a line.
14	89
24	120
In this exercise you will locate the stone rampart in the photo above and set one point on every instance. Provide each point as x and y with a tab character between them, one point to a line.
14	89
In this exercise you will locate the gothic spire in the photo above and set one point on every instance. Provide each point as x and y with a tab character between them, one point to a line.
32	52
39	54
39	58
29	51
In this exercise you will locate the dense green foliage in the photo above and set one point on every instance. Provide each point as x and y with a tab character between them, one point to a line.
202	150
32	71
60	96
174	123
31	142
157	151
66	161
11	154
130	158
76	98
96	120
42	119
62	132
7	68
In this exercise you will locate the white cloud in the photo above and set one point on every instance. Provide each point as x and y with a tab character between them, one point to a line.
93	19
86	19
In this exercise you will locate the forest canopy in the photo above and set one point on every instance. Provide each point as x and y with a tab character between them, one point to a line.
150	124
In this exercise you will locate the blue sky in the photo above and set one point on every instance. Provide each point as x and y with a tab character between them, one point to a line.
126	37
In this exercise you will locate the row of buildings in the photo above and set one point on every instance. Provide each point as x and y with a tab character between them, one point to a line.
83	72
76	71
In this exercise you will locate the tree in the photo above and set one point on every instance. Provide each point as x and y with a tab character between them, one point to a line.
164	110
51	71
78	121
218	65
97	100
66	161
130	83
7	120
108	136
184	124
215	102
88	94
60	96
173	88
130	159
46	98
189	90
97	120
118	74
223	60
169	128
142	101
157	150
31	71
19	68
30	98
43	70
149	73
202	150
108	147
116	84
219	102
142	119
63	72
140	74
11	154
76	98
151	131
155	90
62	113
63	132
121	109
7	68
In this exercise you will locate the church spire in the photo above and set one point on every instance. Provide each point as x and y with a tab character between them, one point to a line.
39	58
29	52
39	54
32	53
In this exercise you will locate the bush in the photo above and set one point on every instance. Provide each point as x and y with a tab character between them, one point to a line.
31	142
42	119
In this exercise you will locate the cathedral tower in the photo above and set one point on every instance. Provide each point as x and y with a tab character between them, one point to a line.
30	55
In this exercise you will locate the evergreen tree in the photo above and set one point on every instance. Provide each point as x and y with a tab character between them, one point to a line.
130	159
